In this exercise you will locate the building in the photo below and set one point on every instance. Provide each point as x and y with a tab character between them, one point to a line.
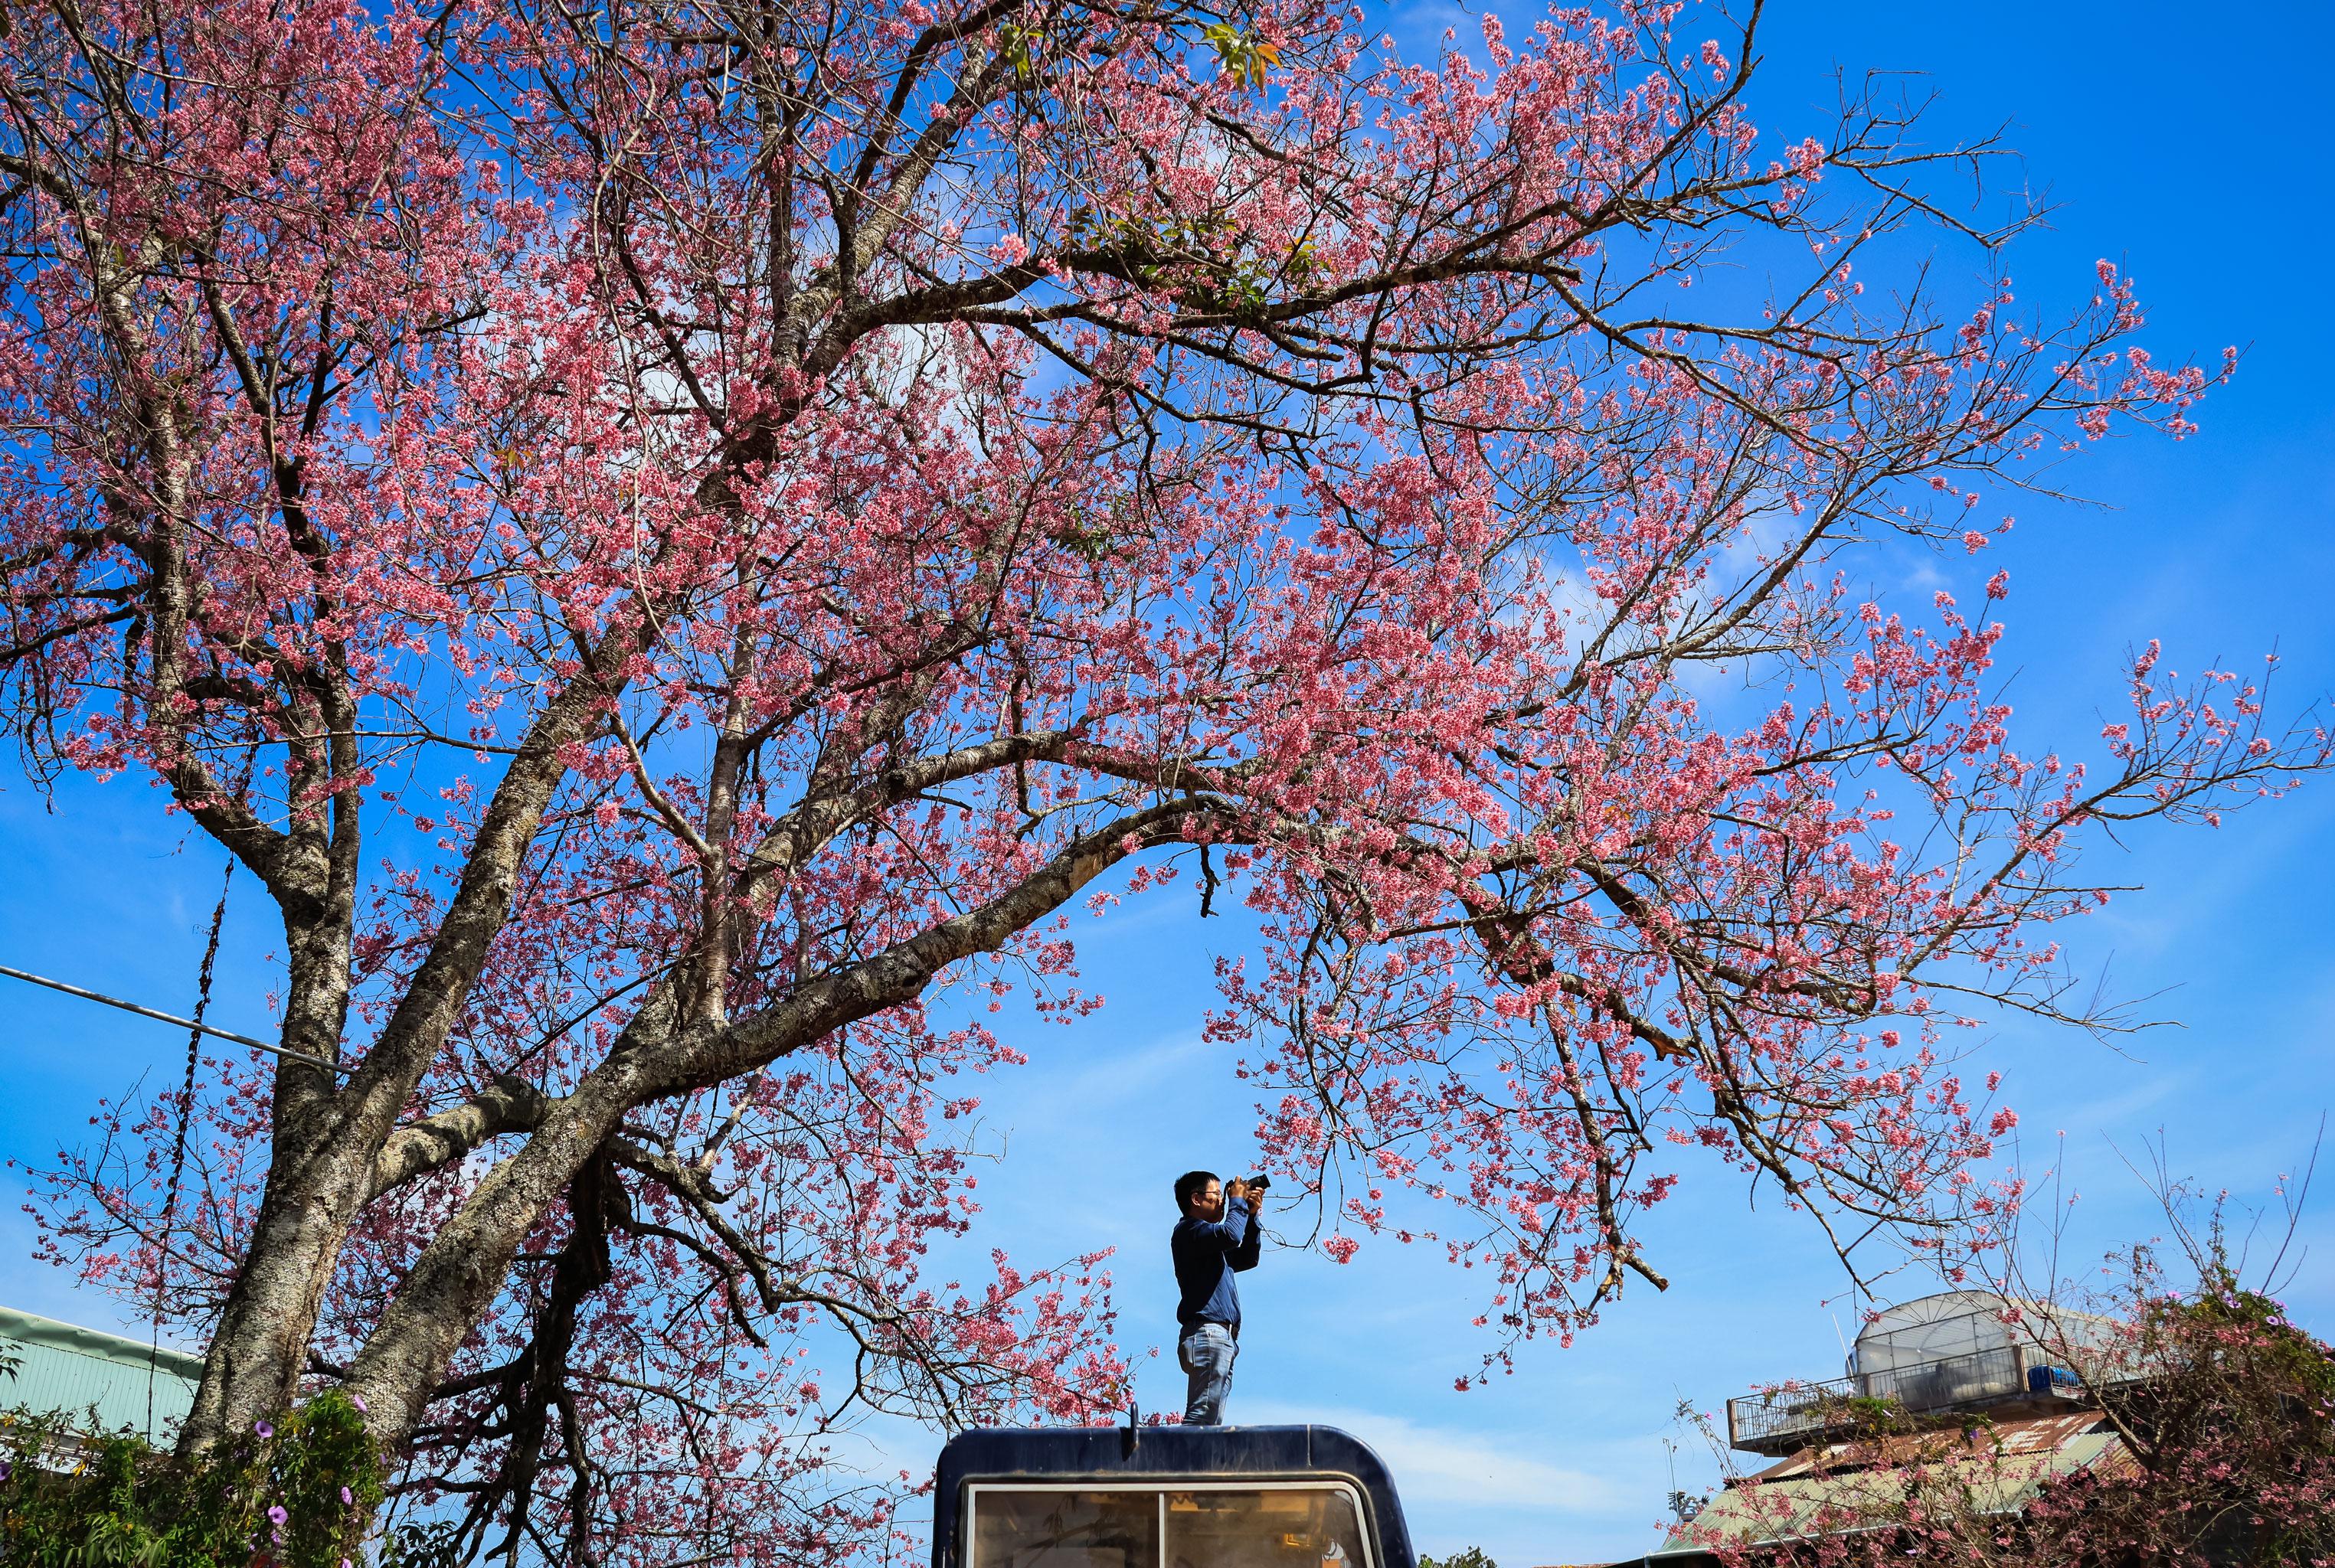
99	1383
1931	1379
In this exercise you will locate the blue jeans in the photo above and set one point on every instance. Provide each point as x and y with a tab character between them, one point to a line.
1206	1352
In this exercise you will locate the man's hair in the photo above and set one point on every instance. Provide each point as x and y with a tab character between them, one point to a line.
1188	1183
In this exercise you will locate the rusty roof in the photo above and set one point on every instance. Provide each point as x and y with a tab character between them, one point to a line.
2031	1435
1815	1489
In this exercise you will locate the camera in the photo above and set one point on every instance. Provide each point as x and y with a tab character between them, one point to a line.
1257	1184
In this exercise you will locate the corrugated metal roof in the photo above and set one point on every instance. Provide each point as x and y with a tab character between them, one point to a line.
2002	1465
66	1369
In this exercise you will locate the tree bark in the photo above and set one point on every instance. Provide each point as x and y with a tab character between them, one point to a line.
260	1346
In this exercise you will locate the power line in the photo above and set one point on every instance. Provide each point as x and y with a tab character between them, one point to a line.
173	1017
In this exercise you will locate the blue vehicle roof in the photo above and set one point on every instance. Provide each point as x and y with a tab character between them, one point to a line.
1142	1453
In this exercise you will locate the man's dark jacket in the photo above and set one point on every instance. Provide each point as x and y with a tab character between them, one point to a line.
1207	1254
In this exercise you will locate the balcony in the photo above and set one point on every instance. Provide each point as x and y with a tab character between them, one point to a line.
1798	1414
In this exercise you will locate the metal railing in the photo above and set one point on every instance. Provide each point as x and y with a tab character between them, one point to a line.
1805	1410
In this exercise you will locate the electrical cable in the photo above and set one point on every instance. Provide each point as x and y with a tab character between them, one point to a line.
172	1018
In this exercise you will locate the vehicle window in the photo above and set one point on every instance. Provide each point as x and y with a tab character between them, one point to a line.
1296	1528
1014	1529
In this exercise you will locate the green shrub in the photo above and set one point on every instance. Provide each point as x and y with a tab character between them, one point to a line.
297	1493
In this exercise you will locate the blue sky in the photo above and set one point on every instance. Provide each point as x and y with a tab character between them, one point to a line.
2184	142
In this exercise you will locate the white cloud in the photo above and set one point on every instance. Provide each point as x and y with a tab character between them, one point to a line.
1451	1466
1077	1075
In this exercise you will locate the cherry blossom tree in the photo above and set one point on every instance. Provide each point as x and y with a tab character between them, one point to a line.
678	541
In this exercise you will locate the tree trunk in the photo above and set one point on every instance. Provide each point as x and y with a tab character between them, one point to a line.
320	1169
261	1344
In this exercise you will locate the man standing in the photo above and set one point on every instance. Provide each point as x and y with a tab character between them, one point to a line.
1216	1238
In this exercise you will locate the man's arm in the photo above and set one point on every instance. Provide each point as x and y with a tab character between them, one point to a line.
1243	1254
1241	1219
1228	1235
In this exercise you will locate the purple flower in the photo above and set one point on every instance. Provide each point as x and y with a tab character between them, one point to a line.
348	1496
263	1429
358	1400
276	1514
